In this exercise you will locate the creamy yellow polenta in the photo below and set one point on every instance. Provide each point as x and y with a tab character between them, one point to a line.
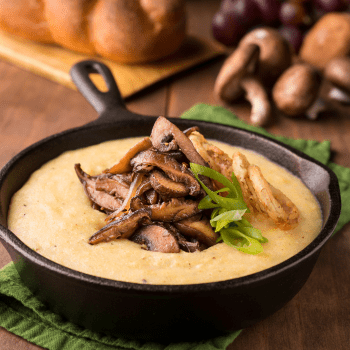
52	215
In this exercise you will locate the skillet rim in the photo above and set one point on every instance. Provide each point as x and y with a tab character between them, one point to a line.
164	289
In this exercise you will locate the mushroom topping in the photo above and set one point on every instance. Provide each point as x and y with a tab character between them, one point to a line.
147	160
166	136
137	181
152	197
150	188
187	244
113	185
174	210
178	155
102	200
198	227
236	78
297	90
123	227
123	166
144	186
156	238
167	187
337	73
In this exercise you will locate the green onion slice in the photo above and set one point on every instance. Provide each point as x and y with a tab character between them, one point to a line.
227	215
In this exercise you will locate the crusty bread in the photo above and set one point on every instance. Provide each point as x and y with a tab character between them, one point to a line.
126	31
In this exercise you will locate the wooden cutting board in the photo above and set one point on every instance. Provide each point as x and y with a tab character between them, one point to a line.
54	62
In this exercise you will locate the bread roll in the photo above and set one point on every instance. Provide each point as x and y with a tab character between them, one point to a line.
125	31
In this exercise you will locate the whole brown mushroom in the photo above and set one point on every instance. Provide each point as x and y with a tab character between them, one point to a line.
275	53
297	90
327	39
237	77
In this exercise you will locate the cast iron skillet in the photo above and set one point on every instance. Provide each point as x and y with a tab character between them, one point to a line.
160	312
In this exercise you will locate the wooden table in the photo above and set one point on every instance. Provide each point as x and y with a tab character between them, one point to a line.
32	107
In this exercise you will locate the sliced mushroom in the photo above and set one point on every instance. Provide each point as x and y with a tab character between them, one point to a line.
185	245
102	200
126	203
147	160
123	227
166	137
125	178
113	185
144	186
198	228
167	187
137	203
174	210
236	78
156	238
178	156
151	196
337	73
123	166
190	247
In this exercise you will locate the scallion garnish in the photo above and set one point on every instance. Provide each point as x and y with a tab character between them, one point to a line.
227	215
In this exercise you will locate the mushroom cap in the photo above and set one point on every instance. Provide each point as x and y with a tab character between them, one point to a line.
327	39
240	63
157	239
275	53
337	72
296	89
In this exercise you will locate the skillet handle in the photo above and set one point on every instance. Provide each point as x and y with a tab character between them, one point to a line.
101	101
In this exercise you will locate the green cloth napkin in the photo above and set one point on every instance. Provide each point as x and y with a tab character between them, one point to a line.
22	314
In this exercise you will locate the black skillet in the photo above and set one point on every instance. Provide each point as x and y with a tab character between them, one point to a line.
160	312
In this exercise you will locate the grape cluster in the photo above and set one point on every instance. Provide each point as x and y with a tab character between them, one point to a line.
292	17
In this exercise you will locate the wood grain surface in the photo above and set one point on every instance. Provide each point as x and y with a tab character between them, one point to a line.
54	62
32	107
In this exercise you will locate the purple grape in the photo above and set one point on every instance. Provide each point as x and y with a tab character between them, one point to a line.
293	35
292	13
330	5
269	10
247	10
233	20
228	28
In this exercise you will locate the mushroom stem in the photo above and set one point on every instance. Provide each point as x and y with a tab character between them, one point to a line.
256	94
337	73
316	108
238	76
339	95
